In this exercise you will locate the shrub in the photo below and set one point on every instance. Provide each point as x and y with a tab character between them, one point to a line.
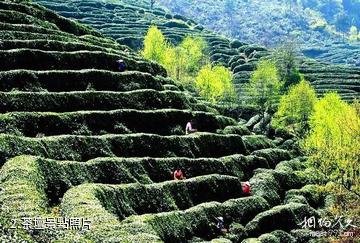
199	27
236	44
42	60
58	81
140	199
179	225
176	24
257	142
91	122
237	129
74	101
273	155
284	217
84	148
23	192
312	194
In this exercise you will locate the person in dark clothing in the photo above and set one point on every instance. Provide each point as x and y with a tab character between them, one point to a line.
122	65
220	225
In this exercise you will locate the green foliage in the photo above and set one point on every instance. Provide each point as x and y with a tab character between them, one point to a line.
143	99
236	55
177	226
155	46
194	51
237	129
21	178
137	198
270	184
285	58
71	147
265	85
296	107
354	34
184	61
50	60
333	143
229	7
321	23
159	121
257	142
284	217
34	186
272	155
75	80
215	83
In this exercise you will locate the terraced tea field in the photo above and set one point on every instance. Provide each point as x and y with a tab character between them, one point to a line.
127	21
81	140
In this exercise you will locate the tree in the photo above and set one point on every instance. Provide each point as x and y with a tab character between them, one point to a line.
229	7
184	61
226	79
354	34
310	3
155	45
265	86
291	4
333	142
286	63
343	22
174	63
194	51
215	83
329	8
356	106
152	2
296	107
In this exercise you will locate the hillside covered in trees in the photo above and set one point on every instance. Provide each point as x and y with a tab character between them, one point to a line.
324	29
103	102
127	21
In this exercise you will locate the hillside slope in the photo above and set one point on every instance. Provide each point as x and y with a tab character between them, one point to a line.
321	28
81	141
127	21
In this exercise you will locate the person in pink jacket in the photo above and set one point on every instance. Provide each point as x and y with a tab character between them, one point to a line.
190	127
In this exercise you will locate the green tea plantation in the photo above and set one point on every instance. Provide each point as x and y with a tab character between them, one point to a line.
82	141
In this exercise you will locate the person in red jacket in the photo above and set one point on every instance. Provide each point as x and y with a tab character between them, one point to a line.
246	188
178	174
